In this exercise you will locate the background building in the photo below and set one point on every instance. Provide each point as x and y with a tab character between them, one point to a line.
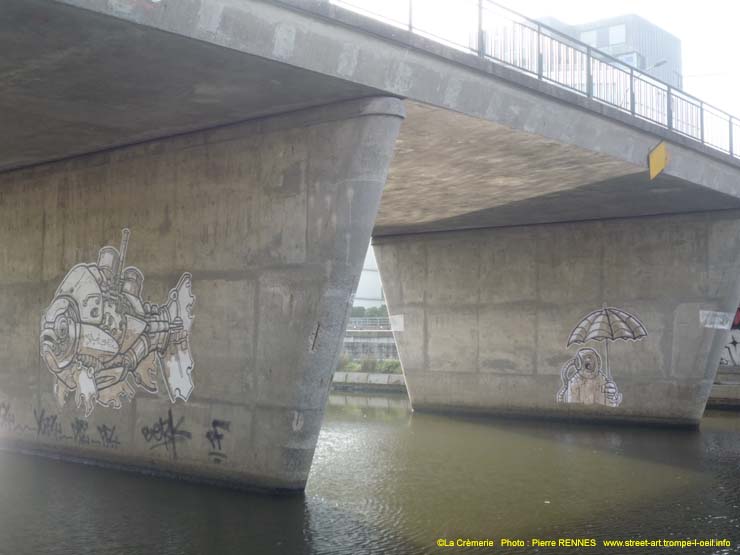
368	335
632	39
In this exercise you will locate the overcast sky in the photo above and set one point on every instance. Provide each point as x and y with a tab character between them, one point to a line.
709	31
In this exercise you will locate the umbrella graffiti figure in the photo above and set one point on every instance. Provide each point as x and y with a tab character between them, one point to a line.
584	380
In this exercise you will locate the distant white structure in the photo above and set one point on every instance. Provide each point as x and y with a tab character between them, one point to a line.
369	291
633	40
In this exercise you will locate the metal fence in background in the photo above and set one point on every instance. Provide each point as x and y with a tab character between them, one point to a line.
497	33
368	323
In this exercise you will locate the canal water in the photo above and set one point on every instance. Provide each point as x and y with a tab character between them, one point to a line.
388	481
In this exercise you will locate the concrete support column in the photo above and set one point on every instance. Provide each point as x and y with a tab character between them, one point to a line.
602	320
256	231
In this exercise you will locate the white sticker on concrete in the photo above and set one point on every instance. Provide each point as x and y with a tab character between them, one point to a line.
284	41
396	321
716	320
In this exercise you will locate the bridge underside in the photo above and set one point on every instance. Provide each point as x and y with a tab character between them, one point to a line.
493	253
261	177
597	320
258	179
75	81
452	171
493	245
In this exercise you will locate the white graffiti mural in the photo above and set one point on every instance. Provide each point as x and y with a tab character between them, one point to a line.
586	382
584	379
731	353
101	340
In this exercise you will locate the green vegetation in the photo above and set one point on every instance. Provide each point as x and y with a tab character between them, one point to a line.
372	312
369	365
389	367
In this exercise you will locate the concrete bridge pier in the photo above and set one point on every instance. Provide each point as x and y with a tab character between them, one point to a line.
267	221
483	318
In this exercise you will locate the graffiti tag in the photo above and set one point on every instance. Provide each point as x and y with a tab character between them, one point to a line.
165	433
214	436
108	436
79	431
48	425
7	417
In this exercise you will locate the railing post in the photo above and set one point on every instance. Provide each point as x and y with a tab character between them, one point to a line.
701	119
411	16
481	32
731	138
539	51
669	108
632	92
589	74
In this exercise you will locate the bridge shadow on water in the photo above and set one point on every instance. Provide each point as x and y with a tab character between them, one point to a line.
387	481
440	476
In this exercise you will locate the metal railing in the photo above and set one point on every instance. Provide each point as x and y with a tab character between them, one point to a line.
497	33
368	323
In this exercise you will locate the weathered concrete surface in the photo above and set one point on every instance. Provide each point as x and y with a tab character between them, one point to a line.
272	218
453	171
485	145
73	81
335	42
487	313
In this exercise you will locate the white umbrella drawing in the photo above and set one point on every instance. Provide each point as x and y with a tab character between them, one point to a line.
607	324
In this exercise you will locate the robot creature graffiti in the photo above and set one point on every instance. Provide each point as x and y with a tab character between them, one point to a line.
100	340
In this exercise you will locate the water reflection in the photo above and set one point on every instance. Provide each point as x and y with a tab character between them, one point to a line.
387	481
439	476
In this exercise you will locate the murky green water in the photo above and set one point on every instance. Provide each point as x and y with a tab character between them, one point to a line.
386	481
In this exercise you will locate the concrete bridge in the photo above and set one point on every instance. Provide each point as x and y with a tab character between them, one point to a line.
189	187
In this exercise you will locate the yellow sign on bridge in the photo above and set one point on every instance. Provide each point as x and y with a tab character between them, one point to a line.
658	160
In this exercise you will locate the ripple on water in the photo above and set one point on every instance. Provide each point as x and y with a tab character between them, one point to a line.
385	481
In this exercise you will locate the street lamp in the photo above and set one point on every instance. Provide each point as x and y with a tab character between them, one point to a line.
656	64
627	95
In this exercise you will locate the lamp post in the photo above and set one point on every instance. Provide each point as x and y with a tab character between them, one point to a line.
656	64
631	89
